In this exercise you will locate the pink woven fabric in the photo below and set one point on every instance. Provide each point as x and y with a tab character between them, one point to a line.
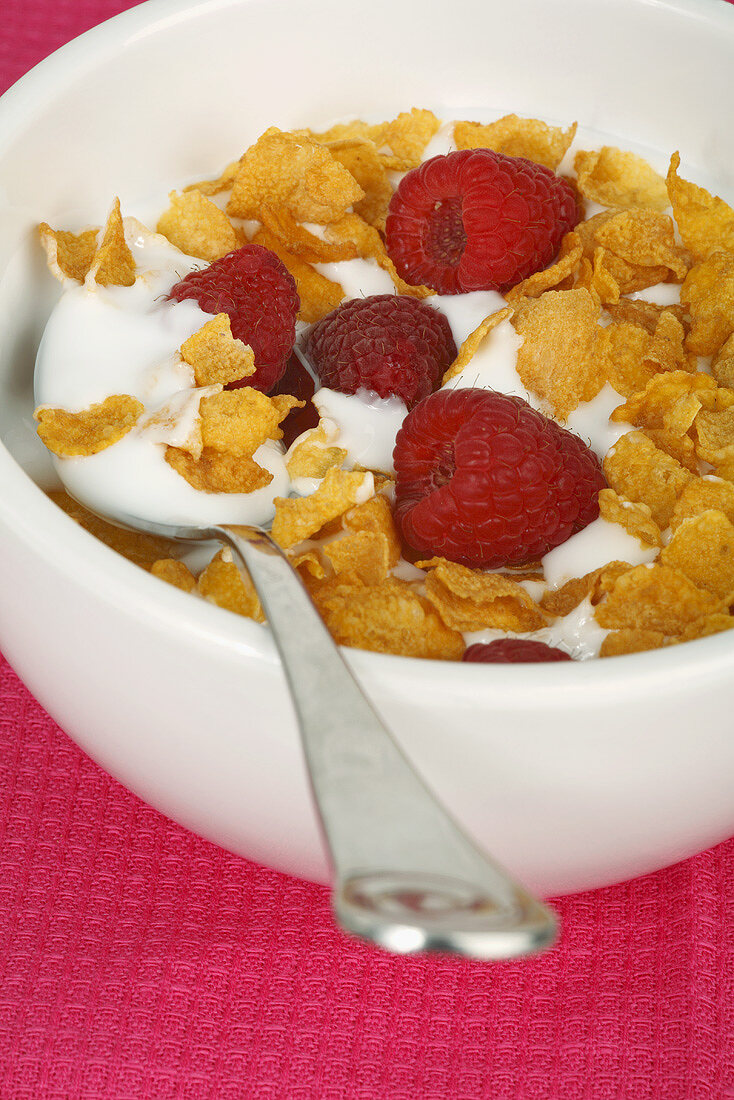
138	961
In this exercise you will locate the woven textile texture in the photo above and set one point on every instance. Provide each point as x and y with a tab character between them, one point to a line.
138	961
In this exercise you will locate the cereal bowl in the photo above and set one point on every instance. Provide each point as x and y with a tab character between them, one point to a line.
574	776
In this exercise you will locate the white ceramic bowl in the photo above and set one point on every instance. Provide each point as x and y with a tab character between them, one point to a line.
573	775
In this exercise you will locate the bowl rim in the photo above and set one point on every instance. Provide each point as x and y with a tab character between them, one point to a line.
127	588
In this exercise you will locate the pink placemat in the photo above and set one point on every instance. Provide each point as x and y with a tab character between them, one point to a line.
138	961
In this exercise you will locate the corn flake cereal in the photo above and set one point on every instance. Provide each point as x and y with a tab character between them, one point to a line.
702	547
705	222
639	471
558	358
299	241
198	227
73	434
69	255
631	640
175	573
634	517
113	263
299	518
390	617
568	258
223	584
655	597
215	355
218	472
701	495
295	173
708	293
314	455
361	158
238	421
612	177
517	137
469	600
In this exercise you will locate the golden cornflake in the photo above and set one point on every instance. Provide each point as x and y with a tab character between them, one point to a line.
715	431
722	366
670	400
389	617
175	573
223	584
706	626
622	349
300	241
215	355
69	255
630	640
635	518
701	495
561	601
644	238
468	599
407	136
238	421
198	227
290	171
655	597
317	294
216	472
113	264
314	455
708	293
73	434
638	470
568	258
705	222
612	269
362	159
645	314
375	516
558	357
702	547
517	137
474	339
299	518
612	177
363	553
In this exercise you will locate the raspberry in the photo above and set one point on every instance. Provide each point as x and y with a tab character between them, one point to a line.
477	220
513	651
254	288
298	383
388	343
484	480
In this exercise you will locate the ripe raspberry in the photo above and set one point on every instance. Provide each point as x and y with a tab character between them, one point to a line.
254	288
513	651
477	220
485	480
388	343
298	383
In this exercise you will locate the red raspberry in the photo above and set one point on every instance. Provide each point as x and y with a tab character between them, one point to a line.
387	343
254	288
513	651
485	480
477	220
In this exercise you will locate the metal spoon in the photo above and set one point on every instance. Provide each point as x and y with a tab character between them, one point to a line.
405	875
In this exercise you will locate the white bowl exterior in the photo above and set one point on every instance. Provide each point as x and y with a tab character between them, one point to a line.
573	776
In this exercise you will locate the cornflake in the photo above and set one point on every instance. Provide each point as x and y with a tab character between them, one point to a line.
638	470
517	137
470	600
73	434
318	295
702	547
612	177
295	173
215	355
300	518
223	584
113	263
706	223
655	597
198	227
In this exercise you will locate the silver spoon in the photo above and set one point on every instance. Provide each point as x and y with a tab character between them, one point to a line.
405	875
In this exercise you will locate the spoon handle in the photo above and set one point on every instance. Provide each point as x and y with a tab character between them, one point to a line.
406	876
